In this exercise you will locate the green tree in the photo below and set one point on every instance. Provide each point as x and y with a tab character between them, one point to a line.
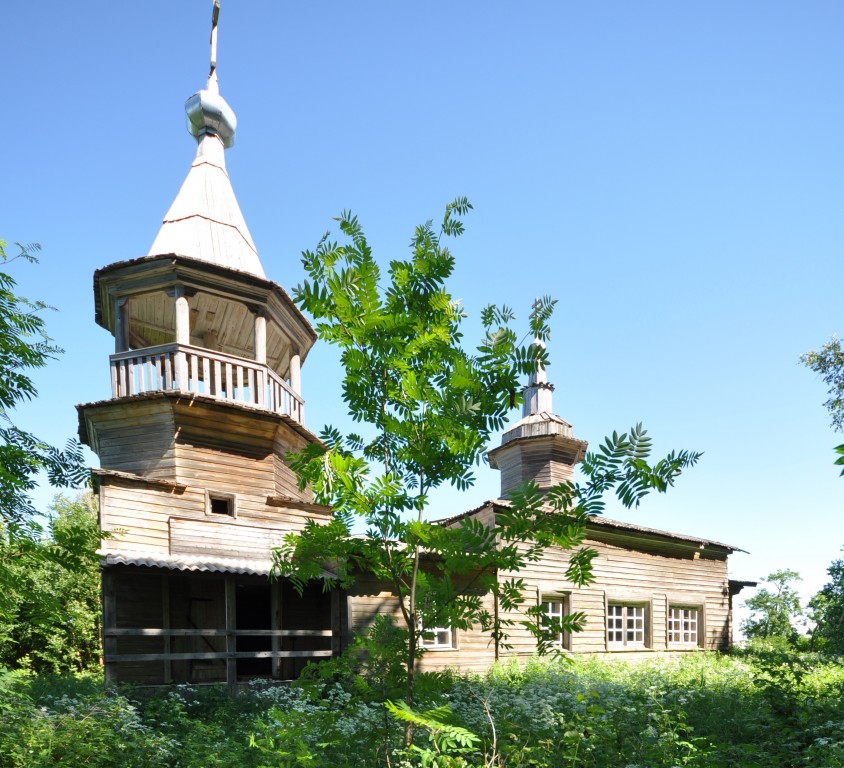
828	362
827	610
51	620
774	612
427	407
24	346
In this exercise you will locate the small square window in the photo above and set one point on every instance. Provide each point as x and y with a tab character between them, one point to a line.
436	638
220	504
683	625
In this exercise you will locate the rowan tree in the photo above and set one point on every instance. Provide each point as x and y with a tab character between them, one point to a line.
24	346
427	407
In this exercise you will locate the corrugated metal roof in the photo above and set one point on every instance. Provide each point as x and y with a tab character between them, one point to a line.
188	562
251	566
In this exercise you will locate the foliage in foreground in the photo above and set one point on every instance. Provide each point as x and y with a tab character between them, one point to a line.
24	347
427	404
763	708
51	618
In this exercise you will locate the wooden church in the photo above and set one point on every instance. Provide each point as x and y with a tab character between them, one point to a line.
194	491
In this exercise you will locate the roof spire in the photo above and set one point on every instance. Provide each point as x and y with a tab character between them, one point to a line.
538	394
207	111
205	221
215	15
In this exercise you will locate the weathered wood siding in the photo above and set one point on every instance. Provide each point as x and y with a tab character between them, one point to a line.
197	448
172	521
538	462
626	575
622	574
369	598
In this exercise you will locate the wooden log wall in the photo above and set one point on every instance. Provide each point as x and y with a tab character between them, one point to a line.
625	575
159	477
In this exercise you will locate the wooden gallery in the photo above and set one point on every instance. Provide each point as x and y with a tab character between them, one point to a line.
194	491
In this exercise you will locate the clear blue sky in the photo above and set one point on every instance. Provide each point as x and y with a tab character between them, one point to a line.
672	172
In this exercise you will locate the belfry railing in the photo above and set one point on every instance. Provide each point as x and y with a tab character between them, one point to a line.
189	369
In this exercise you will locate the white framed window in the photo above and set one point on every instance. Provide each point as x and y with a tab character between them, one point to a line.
436	638
684	625
627	625
555	607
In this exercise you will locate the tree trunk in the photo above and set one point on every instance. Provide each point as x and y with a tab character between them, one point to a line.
411	681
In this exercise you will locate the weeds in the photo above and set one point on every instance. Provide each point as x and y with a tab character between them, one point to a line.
762	708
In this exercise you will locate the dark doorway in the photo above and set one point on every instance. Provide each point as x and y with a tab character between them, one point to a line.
254	611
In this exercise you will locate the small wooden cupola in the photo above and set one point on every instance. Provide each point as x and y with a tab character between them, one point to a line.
540	446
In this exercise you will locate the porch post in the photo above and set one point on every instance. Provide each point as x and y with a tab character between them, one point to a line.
182	336
182	316
109	623
165	625
296	386
275	625
231	639
260	337
121	325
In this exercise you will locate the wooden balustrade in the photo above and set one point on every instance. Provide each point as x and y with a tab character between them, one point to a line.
185	368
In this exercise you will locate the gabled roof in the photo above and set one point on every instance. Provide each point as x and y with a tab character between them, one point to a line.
599	523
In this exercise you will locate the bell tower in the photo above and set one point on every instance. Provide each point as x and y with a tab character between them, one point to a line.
540	446
206	402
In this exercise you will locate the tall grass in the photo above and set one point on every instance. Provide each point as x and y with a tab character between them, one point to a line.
763	708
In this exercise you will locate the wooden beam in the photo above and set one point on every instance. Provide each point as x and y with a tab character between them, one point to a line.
230	658
275	623
231	640
165	623
109	622
154	632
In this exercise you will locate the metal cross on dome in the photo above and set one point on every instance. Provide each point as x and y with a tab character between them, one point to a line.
215	15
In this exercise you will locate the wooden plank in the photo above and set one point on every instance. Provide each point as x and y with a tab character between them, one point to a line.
168	371
193	378
261	387
165	624
165	632
336	629
230	658
109	622
218	390
231	628
275	624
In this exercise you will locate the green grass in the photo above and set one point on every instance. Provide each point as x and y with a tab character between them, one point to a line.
764	708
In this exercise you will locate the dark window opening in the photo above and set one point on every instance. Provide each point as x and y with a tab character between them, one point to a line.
310	610
220	506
